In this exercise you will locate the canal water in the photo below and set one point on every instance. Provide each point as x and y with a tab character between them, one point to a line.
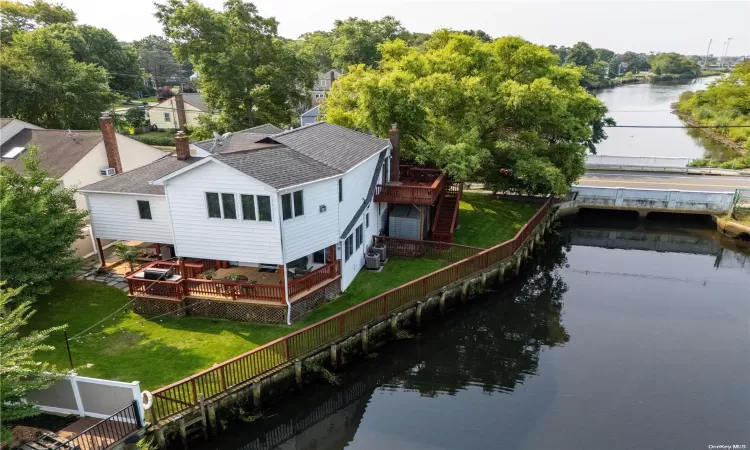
626	334
650	104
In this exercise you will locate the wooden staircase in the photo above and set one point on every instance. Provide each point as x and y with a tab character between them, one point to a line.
446	216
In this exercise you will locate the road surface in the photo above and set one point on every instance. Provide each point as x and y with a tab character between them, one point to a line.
643	180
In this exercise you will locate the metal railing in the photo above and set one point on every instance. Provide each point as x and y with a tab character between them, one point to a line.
109	431
184	394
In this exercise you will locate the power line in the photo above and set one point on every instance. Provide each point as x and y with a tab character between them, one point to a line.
677	126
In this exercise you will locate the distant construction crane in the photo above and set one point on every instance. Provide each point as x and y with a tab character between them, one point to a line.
705	61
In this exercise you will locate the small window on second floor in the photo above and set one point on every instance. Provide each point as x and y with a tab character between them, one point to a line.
341	190
264	208
144	209
299	204
323	82
367	220
214	207
348	247
292	205
286	206
166	117
228	205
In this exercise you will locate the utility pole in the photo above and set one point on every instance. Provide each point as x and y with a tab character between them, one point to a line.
729	41
705	61
721	55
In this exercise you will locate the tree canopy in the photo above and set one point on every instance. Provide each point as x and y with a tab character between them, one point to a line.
245	69
356	41
101	47
581	55
17	16
503	112
673	63
20	374
157	61
40	225
43	84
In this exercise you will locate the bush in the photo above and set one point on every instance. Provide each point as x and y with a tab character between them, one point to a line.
167	141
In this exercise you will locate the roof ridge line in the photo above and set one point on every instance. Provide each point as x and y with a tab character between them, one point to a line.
288	132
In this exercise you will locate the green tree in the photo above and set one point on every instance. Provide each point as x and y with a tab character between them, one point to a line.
40	225
135	117
674	64
17	16
127	253
603	54
484	37
316	46
44	85
101	47
356	41
156	59
20	374
503	112
637	62
246	71
581	55
561	52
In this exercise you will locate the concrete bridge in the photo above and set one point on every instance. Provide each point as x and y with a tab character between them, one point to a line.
654	164
645	201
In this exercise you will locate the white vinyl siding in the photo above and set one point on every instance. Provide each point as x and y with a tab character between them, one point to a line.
314	230
355	186
116	216
199	236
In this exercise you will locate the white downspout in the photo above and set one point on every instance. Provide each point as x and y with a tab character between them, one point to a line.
283	260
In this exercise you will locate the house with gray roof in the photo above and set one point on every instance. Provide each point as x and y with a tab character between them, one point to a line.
254	201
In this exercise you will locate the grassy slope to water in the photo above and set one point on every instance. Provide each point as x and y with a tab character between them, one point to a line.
157	352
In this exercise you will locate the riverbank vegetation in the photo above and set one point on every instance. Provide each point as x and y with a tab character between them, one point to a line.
725	105
122	345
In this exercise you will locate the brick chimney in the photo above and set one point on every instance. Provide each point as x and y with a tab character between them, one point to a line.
182	145
394	136
110	143
180	105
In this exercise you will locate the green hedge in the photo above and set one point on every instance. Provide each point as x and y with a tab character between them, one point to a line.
167	141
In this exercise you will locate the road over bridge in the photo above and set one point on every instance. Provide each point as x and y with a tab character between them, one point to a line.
664	181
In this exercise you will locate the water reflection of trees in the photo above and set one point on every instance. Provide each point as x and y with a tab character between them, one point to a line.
496	345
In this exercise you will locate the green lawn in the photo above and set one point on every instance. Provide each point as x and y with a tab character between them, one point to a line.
485	221
159	352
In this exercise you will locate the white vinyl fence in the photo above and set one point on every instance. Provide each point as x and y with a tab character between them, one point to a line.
88	397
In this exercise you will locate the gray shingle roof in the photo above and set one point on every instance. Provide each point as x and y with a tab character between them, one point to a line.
332	145
195	100
233	142
277	166
59	150
266	128
366	201
137	181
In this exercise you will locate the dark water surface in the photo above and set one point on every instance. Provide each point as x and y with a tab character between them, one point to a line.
649	104
627	335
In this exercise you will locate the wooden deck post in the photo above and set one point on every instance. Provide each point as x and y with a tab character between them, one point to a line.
331	254
157	248
100	250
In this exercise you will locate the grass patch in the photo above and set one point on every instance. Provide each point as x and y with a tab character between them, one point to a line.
485	221
159	352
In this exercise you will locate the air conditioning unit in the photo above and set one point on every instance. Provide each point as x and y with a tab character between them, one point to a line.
372	261
108	172
380	250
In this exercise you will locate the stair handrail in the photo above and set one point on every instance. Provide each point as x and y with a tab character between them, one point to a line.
458	206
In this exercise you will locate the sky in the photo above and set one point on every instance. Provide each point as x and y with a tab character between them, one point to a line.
660	26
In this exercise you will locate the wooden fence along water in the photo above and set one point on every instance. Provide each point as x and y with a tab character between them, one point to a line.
184	394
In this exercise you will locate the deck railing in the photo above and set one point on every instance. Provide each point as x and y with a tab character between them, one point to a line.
107	432
234	290
411	194
184	394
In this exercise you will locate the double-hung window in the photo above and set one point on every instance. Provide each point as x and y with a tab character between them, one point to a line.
166	117
144	209
348	247
221	205
367	220
292	205
358	233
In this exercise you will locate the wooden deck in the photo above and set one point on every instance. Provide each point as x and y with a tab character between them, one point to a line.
253	274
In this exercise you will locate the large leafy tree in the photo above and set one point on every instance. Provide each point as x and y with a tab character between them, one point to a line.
561	52
581	55
156	59
357	41
17	16
316	46
20	374
603	54
43	84
101	47
675	64
637	62
245	70
40	224
503	112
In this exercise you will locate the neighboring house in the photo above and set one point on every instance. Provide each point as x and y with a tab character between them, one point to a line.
302	198
323	84
310	116
165	114
11	127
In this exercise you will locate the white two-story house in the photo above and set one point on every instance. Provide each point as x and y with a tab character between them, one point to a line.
268	217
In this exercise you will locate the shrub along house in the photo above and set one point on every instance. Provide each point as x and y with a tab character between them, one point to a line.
266	227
